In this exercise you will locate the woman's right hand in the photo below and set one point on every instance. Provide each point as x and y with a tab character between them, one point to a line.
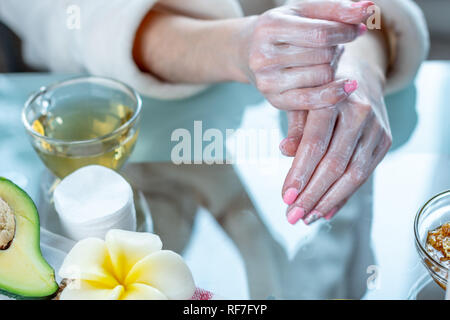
291	53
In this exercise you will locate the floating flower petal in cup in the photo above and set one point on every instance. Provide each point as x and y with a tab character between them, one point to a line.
125	266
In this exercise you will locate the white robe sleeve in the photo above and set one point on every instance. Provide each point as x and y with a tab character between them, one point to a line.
409	40
102	45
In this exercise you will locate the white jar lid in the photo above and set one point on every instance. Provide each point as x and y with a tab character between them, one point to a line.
93	200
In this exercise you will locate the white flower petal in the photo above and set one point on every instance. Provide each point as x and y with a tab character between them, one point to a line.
126	248
165	271
85	290
89	260
139	291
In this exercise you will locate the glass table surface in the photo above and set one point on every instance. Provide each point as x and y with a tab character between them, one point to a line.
228	221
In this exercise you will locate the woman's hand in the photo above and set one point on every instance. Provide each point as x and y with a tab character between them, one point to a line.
339	149
291	52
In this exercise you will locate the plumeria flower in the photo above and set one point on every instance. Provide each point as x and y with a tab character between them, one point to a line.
125	266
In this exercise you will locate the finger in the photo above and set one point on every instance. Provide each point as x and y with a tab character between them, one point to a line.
333	165
360	168
296	125
314	98
330	215
293	78
340	11
288	56
311	33
337	57
285	79
382	148
316	137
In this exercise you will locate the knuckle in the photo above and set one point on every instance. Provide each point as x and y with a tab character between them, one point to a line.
257	61
277	101
270	16
263	85
317	147
350	32
269	20
383	145
358	174
322	37
336	166
363	112
328	73
261	31
302	98
323	75
329	54
377	127
364	108
388	142
332	96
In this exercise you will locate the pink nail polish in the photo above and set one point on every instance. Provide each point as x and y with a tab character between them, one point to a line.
295	214
290	195
331	214
351	86
361	4
313	217
362	29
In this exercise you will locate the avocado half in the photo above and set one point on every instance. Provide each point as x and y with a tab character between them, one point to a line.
24	273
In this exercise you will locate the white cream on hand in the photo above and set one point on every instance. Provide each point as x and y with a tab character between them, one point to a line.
93	200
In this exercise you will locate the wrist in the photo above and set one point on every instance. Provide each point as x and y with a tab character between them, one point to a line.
366	58
239	43
361	70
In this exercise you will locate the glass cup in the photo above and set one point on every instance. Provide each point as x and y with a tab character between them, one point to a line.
431	216
83	121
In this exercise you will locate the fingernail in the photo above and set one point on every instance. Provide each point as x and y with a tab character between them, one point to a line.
331	214
283	144
361	4
313	217
295	214
362	29
290	195
350	86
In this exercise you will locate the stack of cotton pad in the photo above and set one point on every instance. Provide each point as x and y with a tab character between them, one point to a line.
93	200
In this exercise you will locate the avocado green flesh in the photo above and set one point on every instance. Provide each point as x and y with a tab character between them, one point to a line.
23	270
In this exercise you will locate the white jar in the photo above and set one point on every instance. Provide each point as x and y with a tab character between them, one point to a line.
93	200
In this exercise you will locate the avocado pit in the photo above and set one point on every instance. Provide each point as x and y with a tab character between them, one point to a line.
7	225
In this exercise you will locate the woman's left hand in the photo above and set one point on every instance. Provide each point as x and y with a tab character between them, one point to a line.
338	148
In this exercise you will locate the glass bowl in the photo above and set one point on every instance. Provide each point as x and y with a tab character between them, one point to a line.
434	213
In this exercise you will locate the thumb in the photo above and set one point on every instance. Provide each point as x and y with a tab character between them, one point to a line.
296	125
340	11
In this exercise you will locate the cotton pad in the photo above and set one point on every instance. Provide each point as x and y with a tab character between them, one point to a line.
93	200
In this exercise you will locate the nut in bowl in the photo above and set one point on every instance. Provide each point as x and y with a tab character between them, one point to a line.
432	237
